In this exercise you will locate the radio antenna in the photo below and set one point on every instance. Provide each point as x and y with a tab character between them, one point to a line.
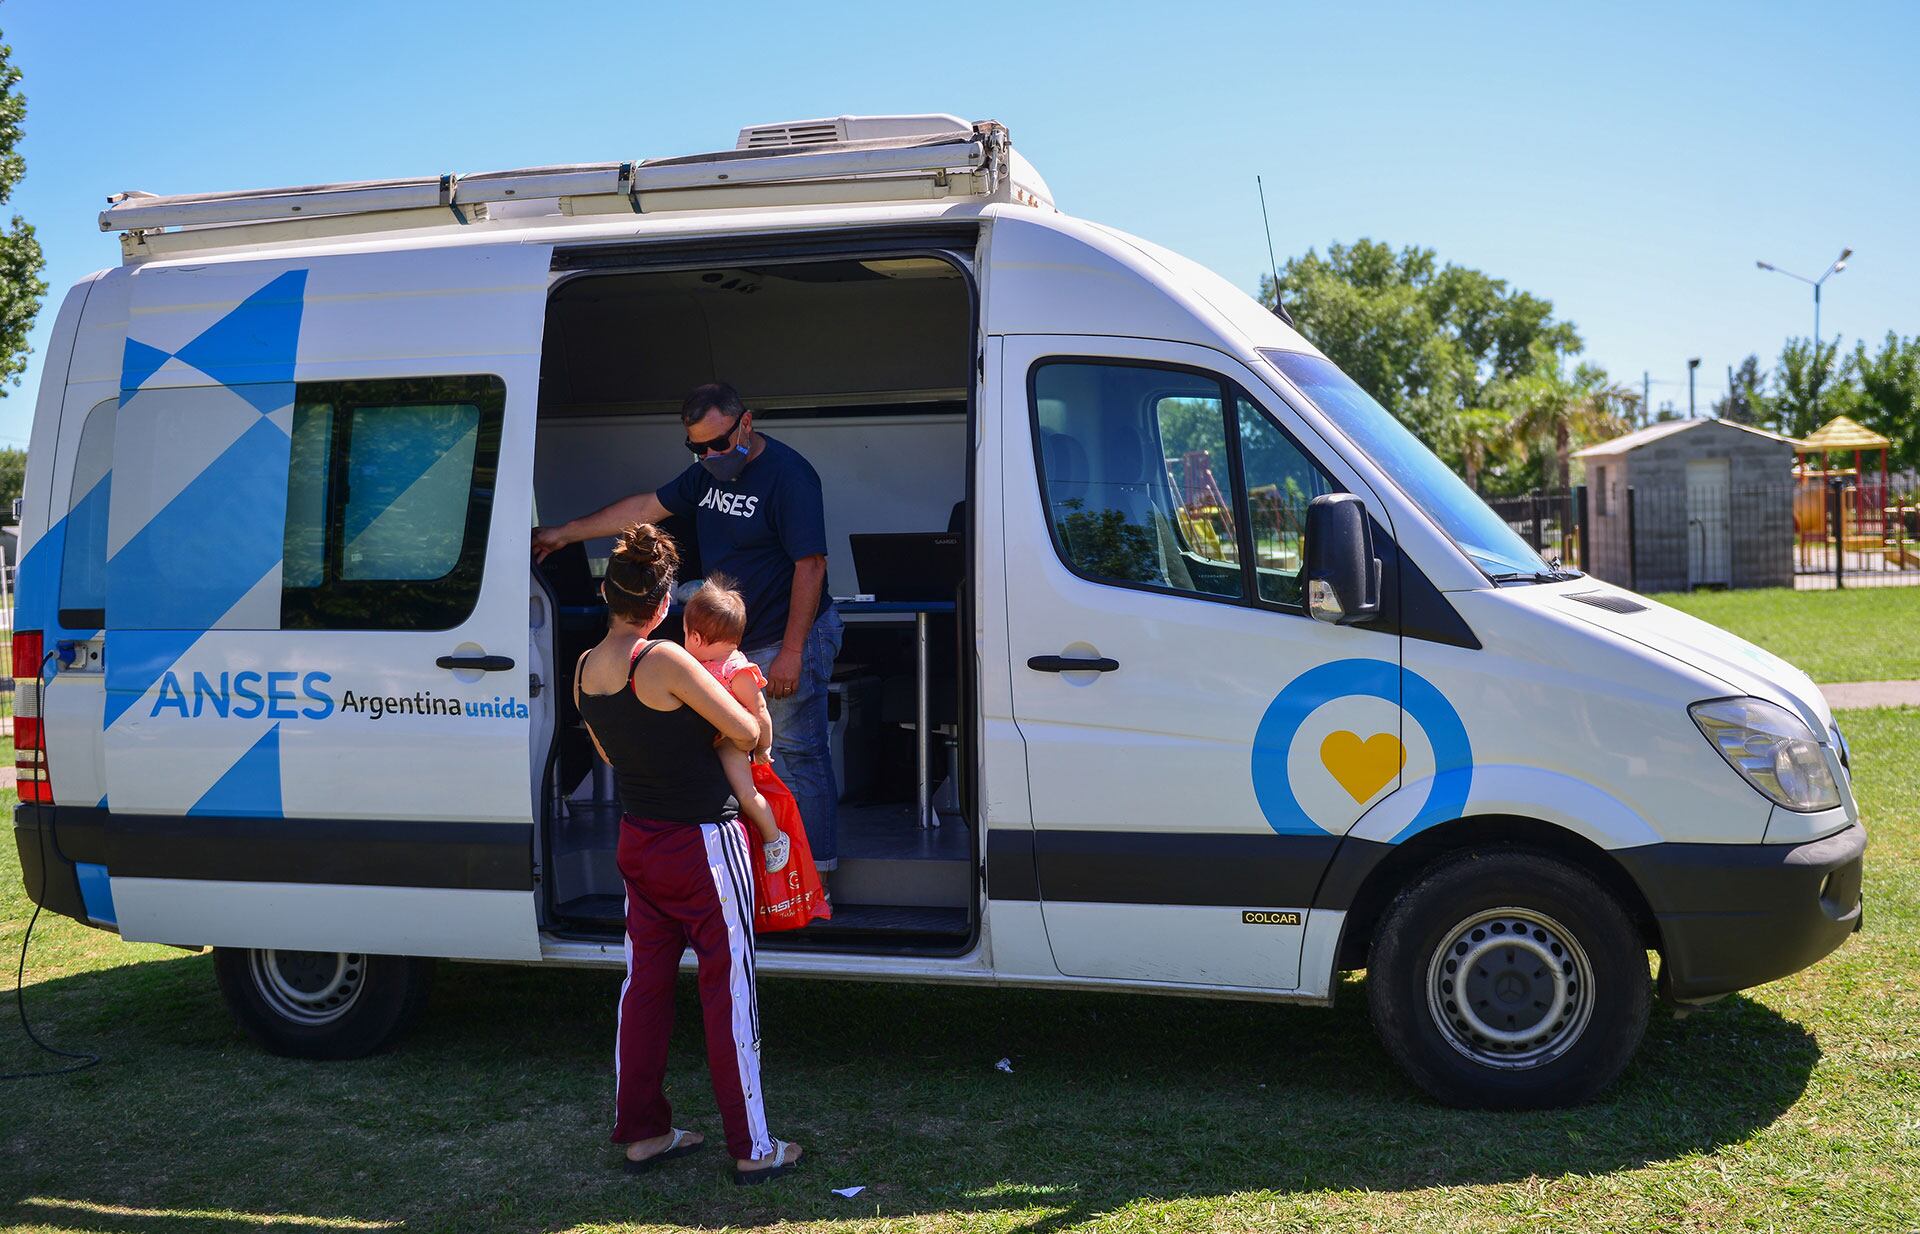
1267	220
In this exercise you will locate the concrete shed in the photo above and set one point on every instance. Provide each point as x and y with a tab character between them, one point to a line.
1691	503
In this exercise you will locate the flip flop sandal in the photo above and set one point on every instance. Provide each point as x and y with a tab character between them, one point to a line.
675	1148
766	1174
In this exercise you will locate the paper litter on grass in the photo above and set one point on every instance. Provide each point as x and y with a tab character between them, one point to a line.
1005	1064
849	1192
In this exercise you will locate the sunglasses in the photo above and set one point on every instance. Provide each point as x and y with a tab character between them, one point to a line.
715	445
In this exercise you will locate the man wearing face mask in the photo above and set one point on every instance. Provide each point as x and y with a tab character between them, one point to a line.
761	520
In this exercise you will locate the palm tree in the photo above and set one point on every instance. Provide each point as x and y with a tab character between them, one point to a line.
1560	411
1473	436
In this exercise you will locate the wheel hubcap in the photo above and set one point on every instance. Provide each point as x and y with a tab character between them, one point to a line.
309	987
1510	988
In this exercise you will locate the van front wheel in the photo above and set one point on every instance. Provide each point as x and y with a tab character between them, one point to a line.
1508	981
321	1004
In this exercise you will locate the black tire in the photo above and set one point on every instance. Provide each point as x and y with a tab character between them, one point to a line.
1566	946
307	1004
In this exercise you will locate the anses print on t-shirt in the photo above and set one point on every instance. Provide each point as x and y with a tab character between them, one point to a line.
740	505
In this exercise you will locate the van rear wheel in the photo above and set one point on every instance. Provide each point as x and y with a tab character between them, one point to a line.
321	1004
1508	981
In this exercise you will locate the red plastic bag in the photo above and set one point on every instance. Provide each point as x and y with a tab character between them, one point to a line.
794	896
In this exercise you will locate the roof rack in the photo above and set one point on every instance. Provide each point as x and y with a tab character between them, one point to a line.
924	166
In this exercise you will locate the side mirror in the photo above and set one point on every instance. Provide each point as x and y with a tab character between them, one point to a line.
1343	575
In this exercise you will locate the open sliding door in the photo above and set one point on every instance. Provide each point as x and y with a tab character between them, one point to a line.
316	608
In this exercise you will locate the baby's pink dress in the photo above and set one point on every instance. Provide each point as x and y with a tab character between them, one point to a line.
724	671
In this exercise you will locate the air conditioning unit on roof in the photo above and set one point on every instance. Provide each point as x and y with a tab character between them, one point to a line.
848	128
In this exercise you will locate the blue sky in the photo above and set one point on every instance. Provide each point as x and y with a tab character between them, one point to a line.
1628	162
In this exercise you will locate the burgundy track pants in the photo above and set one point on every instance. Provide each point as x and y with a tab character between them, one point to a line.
691	885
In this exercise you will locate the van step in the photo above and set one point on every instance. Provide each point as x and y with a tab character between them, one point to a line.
878	928
602	912
929	882
885	858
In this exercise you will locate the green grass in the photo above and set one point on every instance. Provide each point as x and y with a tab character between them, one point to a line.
1865	634
1795	1107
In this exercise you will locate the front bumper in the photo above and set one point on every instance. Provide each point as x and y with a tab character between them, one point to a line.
1733	916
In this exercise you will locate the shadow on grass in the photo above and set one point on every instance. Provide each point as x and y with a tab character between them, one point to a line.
493	1113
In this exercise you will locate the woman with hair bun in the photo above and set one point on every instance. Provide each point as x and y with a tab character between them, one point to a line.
656	715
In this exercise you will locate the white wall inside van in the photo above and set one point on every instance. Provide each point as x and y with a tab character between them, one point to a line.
879	473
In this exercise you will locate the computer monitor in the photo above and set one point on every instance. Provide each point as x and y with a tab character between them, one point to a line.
908	565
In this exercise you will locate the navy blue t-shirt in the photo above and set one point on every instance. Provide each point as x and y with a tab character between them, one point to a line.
754	529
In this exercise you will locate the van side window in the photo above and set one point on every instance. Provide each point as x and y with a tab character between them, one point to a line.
1133	464
389	492
1280	480
83	562
1149	481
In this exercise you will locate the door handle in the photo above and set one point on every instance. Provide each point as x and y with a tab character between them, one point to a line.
1071	664
485	664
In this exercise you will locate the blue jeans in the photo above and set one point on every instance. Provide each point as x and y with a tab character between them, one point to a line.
801	754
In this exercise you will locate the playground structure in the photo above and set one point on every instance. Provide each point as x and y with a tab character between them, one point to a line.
1874	520
1205	517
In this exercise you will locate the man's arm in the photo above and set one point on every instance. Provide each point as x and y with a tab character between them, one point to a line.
606	521
809	573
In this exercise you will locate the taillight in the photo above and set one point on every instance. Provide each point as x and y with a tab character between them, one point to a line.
29	738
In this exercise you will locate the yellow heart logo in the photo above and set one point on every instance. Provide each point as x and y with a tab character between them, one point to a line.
1363	768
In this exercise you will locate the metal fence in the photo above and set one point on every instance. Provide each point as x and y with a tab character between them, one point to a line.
1852	533
1547	519
1810	534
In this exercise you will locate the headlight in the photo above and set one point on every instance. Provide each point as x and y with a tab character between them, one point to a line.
1772	749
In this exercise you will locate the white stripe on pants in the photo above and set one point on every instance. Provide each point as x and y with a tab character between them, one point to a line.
733	884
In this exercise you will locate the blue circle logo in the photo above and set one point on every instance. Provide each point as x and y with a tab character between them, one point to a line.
1417	697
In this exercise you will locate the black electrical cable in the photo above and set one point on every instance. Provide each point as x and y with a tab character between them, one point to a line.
20	972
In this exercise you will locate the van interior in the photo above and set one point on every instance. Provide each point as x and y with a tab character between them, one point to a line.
863	364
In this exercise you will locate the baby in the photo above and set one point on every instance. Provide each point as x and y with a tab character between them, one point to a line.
715	617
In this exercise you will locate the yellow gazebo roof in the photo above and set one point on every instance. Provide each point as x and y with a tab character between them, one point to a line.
1842	433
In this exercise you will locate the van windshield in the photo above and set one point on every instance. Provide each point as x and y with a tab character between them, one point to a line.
1431	485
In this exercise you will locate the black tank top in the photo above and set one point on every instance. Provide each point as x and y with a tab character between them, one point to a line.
663	761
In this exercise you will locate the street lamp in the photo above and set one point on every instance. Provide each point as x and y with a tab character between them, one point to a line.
1691	365
1839	264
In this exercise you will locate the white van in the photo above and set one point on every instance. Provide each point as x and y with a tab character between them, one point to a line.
1234	687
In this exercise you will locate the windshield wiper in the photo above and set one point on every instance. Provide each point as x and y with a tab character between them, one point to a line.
1557	572
1554	573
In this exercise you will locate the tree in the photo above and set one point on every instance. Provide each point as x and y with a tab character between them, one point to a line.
1474	435
13	476
1811	386
1448	350
1741	402
20	259
1551	409
1888	398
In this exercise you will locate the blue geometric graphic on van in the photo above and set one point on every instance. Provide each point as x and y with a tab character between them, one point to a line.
194	561
1417	697
96	891
83	572
410	441
210	544
36	604
251	787
139	362
252	348
191	562
137	659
